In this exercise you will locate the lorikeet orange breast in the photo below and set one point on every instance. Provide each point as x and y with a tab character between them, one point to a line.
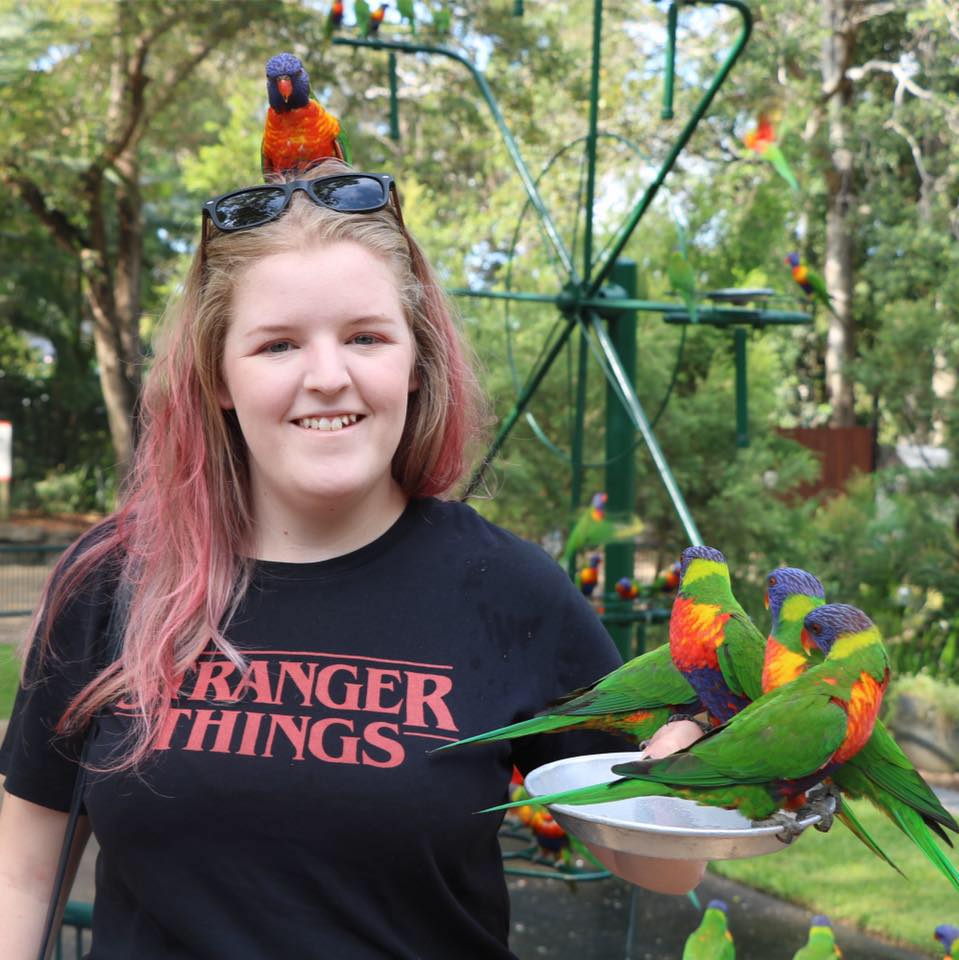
295	139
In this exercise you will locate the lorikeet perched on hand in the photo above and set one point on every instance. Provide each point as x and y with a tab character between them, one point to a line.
762	141
821	944
880	772
770	753
298	131
636	699
711	940
947	935
812	284
714	644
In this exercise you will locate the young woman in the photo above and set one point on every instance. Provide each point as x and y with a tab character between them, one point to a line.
282	619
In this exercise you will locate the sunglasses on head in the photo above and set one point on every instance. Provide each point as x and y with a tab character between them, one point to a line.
346	192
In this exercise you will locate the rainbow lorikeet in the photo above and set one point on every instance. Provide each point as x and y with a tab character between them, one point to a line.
714	644
406	10
298	131
769	754
636	699
334	20
880	772
376	18
821	944
762	141
711	940
442	20
811	282
948	936
588	577
627	589
593	528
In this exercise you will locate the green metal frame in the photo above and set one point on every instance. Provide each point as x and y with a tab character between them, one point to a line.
603	314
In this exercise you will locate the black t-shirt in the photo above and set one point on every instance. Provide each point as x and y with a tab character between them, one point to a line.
300	815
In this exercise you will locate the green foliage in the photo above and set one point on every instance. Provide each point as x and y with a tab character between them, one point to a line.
9	678
81	490
944	694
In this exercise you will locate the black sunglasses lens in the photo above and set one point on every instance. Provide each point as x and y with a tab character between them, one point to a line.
351	194
250	208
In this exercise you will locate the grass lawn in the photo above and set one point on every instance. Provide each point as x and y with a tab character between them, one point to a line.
9	675
836	875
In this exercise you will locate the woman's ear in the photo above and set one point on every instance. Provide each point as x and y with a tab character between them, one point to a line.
224	396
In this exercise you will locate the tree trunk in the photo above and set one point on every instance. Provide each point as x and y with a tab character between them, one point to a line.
838	47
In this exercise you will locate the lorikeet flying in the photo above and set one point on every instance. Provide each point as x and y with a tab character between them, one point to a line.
636	699
711	940
947	935
880	772
762	141
821	944
714	644
594	529
298	131
769	754
812	284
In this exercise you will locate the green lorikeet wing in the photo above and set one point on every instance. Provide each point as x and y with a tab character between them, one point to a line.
775	157
635	699
711	940
361	10
406	11
821	944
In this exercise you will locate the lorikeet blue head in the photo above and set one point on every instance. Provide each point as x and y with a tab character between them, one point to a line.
825	625
793	259
820	920
718	905
786	581
698	553
287	82
947	934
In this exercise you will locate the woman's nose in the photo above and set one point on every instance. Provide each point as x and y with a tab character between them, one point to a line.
326	371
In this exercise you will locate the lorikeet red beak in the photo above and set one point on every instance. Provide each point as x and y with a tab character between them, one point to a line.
809	645
285	86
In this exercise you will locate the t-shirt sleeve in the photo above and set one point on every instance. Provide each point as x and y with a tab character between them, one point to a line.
578	651
40	764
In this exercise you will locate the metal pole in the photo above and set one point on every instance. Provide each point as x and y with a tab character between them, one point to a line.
742	407
621	471
591	138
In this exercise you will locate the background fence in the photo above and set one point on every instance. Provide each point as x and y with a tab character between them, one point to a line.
23	570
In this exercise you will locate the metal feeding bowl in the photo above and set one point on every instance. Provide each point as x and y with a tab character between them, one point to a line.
652	827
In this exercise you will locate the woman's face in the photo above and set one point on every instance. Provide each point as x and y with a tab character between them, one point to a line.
318	365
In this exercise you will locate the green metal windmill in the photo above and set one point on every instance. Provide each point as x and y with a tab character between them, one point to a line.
595	294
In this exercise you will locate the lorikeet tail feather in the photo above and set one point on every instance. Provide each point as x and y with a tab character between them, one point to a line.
601	793
521	729
913	826
850	820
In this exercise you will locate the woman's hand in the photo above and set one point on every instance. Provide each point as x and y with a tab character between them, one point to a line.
659	875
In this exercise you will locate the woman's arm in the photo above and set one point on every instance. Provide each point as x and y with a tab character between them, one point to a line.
661	876
31	837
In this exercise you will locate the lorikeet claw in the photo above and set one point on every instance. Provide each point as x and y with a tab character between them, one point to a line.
789	824
825	800
702	724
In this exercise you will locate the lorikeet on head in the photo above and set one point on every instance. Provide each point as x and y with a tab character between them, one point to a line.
880	772
635	700
762	141
947	935
770	753
714	644
821	944
298	131
711	940
812	284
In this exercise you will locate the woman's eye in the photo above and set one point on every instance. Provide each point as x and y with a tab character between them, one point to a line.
365	339
281	346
